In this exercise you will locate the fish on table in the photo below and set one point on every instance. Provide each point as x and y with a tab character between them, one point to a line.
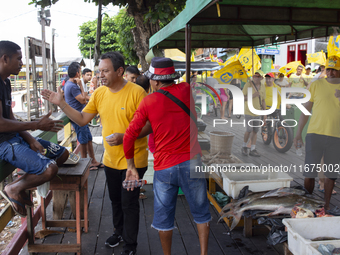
278	205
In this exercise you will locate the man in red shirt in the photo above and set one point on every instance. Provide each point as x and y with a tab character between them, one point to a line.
177	153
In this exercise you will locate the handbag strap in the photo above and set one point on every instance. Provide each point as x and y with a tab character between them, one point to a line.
179	103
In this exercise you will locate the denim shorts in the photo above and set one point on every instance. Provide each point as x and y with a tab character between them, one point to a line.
18	153
255	122
83	133
318	146
165	187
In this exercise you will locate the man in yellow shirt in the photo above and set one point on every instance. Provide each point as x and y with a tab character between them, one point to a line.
296	80
308	76
269	85
116	102
253	121
323	134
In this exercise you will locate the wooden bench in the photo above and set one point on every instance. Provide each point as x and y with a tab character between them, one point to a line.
69	178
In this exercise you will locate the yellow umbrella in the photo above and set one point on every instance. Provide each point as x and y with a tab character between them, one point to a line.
290	67
317	57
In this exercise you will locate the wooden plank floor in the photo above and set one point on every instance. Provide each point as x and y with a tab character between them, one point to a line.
185	236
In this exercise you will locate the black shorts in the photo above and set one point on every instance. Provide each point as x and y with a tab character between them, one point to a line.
230	95
318	146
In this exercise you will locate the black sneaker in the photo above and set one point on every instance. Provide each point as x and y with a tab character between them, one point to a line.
254	153
114	240
128	252
244	151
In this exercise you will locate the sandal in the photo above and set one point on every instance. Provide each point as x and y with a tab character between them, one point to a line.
142	196
323	191
12	202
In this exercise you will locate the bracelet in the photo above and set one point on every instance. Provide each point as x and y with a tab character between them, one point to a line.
63	107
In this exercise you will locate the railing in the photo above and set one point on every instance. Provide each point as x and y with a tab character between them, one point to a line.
6	169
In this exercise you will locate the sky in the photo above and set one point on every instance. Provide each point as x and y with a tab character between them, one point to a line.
19	20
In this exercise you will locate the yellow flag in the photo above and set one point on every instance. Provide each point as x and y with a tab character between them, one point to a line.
232	71
290	67
192	57
245	58
333	46
317	57
230	60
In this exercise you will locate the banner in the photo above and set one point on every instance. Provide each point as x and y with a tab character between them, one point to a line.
245	58
333	46
317	57
232	71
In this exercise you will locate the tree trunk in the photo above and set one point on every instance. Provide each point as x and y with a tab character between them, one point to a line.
99	30
143	30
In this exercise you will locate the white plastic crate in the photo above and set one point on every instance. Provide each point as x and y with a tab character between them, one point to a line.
234	182
312	248
301	231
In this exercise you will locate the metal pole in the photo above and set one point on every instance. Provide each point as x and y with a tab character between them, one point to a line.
43	23
252	59
28	78
188	51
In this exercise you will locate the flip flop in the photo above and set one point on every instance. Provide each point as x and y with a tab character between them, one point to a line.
30	203
27	201
93	168
335	211
12	202
323	191
142	196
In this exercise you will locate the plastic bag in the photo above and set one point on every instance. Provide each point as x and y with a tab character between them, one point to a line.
277	234
43	189
221	199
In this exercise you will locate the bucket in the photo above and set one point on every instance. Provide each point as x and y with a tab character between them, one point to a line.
221	142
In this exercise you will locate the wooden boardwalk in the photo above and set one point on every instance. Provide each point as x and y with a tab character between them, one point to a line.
185	236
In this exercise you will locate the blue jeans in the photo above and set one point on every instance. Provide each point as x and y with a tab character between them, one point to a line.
18	153
165	187
83	133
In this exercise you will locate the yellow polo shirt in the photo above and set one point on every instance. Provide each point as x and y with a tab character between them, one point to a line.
116	111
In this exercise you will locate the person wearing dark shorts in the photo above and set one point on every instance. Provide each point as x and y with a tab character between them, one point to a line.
76	98
39	159
323	134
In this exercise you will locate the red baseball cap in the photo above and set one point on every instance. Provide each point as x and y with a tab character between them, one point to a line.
269	74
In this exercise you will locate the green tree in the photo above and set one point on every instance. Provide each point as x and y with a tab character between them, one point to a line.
149	16
115	36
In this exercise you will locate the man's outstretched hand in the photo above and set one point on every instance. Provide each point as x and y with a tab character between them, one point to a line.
53	97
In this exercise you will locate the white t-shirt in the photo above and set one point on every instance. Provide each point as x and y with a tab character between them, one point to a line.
84	85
